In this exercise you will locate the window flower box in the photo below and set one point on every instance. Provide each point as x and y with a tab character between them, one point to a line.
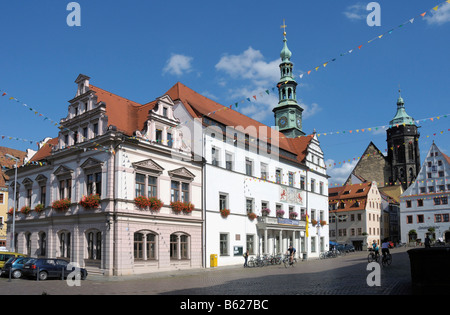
252	216
90	202
25	210
323	222
293	215
314	222
265	212
155	204
280	213
179	206
141	202
61	205
224	212
39	208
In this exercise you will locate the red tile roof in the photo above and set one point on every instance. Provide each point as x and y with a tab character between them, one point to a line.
198	105
45	150
353	196
6	162
129	116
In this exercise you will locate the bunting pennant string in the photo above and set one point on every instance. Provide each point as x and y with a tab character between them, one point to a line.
407	22
361	130
331	165
53	122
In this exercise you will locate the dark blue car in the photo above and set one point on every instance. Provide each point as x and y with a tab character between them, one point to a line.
45	268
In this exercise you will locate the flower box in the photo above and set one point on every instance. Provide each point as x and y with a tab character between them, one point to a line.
252	216
280	213
293	215
25	210
314	222
142	202
61	205
265	212
39	208
90	202
155	204
179	206
224	212
323	222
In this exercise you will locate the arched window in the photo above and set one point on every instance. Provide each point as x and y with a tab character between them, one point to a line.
179	246
42	244
64	244
94	245
145	245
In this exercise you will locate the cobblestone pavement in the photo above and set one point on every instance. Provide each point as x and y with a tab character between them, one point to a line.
342	276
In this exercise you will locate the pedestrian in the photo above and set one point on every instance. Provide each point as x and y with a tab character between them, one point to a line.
245	257
427	241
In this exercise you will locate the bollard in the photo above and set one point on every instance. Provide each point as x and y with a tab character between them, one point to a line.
10	270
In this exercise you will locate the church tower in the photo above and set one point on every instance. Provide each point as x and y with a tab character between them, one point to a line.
403	147
288	114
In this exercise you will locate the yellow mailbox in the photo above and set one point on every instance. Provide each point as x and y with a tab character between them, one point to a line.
213	260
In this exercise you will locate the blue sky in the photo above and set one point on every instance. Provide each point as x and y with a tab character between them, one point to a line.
229	51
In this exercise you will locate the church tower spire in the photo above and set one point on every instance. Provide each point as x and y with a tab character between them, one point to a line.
288	114
403	147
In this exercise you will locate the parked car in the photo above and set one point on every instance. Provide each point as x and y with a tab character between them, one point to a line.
50	268
349	248
5	256
15	266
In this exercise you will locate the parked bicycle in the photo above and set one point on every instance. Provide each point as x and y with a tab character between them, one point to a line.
328	254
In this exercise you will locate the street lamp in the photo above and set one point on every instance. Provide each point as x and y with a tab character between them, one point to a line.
15	195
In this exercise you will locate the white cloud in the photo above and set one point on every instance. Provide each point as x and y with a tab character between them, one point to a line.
259	76
356	12
340	172
309	111
250	65
178	64
439	17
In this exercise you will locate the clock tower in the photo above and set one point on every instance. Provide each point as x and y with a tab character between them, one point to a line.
288	114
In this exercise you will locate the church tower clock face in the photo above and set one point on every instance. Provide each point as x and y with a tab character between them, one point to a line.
282	122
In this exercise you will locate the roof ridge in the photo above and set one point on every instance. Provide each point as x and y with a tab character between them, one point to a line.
124	98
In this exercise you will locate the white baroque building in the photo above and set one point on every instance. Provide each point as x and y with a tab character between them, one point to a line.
119	150
424	204
195	158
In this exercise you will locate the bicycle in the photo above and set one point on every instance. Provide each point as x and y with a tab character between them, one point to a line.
287	261
372	256
386	260
328	254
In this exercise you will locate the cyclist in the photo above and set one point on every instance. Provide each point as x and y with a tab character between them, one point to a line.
291	252
385	248
375	249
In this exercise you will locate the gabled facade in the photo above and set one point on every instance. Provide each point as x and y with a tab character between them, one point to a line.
424	207
356	214
118	150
